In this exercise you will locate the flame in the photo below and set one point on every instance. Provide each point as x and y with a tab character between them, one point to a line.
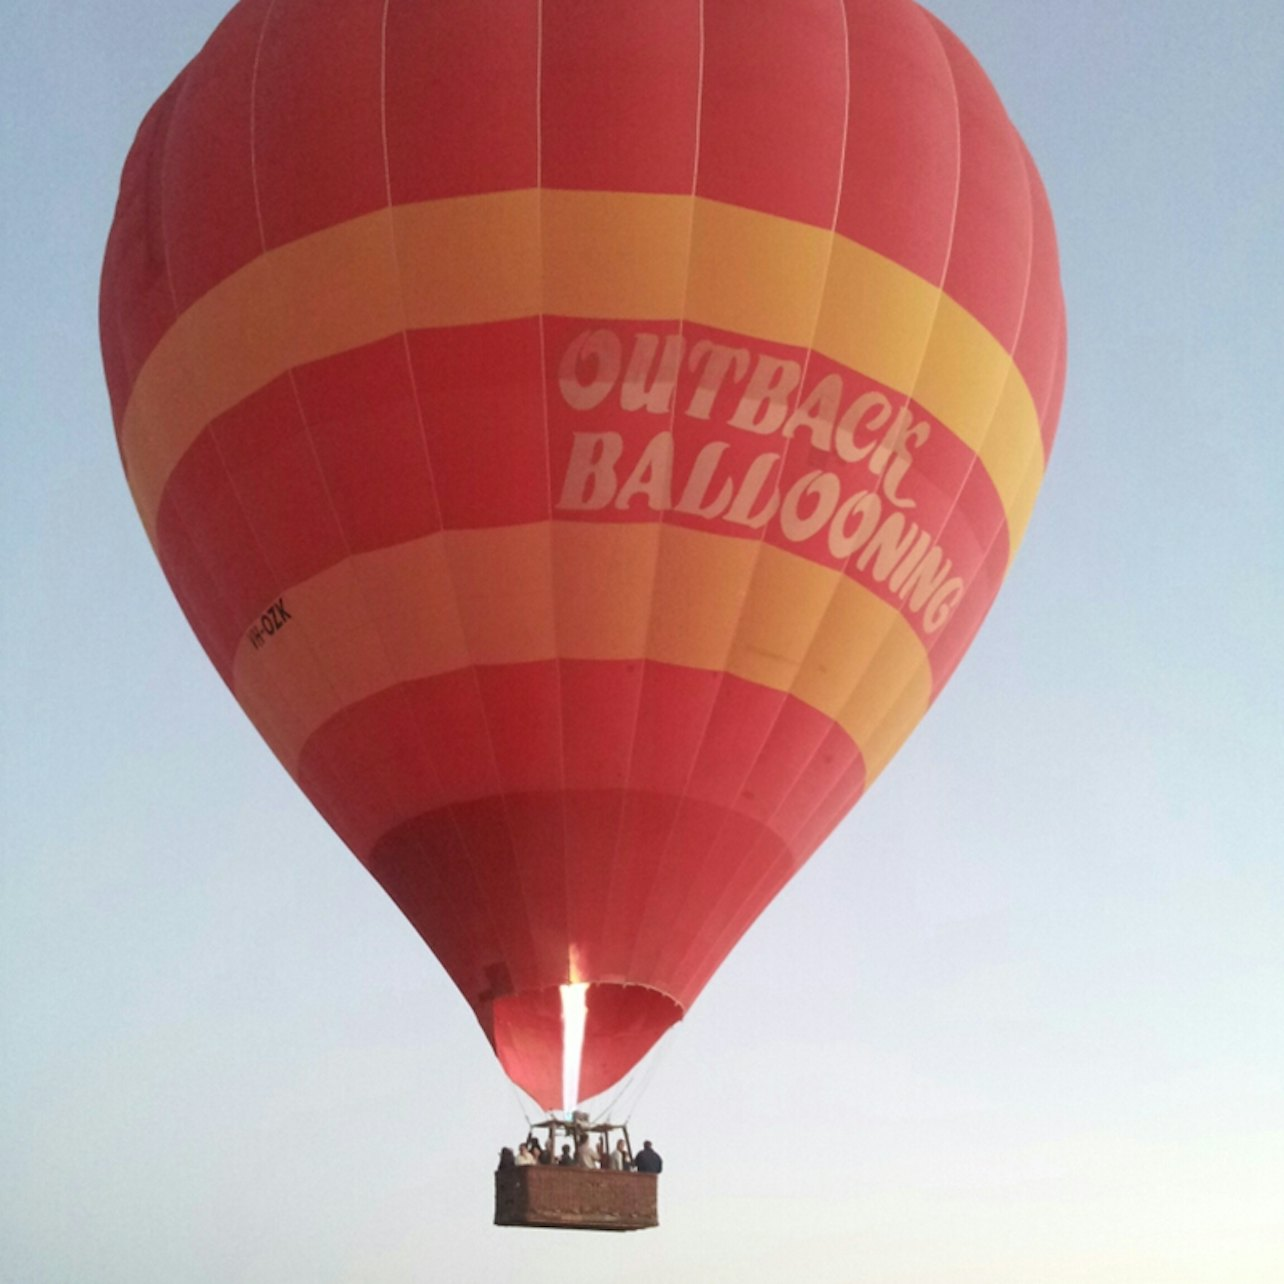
574	1017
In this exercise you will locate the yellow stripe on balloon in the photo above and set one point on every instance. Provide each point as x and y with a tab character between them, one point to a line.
599	255
587	592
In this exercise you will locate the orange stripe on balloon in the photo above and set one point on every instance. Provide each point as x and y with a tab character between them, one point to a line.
550	590
609	256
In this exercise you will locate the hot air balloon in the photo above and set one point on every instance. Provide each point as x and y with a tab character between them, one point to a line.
585	438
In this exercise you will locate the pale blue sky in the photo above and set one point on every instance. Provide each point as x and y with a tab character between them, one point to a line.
1021	1021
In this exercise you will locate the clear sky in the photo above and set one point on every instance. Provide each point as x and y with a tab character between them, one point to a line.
1020	1021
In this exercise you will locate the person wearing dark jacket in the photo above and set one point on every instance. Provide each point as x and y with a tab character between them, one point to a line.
647	1161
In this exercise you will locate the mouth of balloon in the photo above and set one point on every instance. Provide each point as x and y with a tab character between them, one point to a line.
535	1033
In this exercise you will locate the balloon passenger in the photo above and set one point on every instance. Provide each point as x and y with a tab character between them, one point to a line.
648	1161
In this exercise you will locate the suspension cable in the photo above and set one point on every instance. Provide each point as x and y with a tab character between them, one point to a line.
660	1053
517	1096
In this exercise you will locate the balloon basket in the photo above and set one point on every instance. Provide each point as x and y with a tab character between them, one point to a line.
569	1198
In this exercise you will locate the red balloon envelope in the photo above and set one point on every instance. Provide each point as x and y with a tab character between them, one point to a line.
585	437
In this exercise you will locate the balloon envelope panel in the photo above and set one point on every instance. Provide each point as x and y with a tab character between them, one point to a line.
585	438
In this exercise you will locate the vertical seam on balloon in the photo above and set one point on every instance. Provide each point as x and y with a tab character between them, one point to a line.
1036	457
482	894
1051	407
660	522
378	780
761	540
1050	257
427	857
121	338
164	228
178	517
559	703
1036	463
321	667
193	373
118	326
909	394
176	512
859	678
1036	454
910	391
262	230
